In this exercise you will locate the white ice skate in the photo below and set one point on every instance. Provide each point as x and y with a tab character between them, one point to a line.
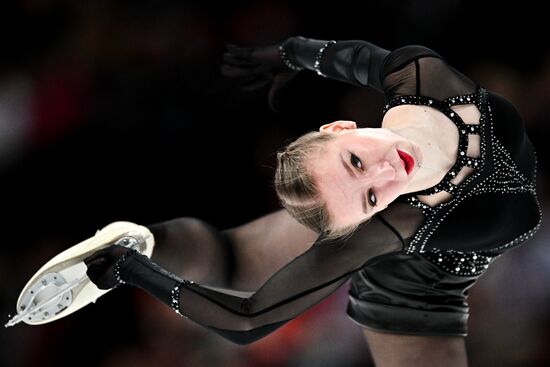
62	287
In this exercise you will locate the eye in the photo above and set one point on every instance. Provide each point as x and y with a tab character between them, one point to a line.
356	162
372	198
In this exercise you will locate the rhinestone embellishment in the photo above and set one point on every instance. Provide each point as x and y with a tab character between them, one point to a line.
318	58
459	263
504	178
175	296
116	269
286	61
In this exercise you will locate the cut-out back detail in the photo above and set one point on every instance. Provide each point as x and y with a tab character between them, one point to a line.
462	160
502	174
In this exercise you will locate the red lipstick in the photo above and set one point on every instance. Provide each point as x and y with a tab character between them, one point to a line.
407	160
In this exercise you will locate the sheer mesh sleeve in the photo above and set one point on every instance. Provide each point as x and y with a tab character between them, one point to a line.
300	284
418	70
296	286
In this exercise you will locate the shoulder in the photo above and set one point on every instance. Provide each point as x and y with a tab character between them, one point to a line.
402	56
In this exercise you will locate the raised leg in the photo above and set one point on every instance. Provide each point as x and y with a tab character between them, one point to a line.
397	350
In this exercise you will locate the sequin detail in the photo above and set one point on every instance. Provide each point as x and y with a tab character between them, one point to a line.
319	57
494	172
175	296
286	61
459	263
116	269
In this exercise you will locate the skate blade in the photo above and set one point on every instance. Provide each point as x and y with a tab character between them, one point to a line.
62	287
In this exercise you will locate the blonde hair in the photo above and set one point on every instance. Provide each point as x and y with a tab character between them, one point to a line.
297	190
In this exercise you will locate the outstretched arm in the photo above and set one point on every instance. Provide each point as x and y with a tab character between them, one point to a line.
352	61
300	284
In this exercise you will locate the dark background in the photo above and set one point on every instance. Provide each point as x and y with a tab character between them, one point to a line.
116	110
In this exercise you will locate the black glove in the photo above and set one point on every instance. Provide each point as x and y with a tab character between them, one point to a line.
117	264
258	67
101	266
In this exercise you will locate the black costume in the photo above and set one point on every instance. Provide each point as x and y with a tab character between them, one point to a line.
411	264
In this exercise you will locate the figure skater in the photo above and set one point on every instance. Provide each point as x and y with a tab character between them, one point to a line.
413	212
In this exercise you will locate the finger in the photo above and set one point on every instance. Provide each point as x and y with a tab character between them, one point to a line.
100	263
233	60
89	259
235	72
279	83
96	255
242	52
255	83
94	272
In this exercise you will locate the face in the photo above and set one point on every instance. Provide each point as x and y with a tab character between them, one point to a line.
361	171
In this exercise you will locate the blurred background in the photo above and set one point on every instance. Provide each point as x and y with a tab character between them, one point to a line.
116	110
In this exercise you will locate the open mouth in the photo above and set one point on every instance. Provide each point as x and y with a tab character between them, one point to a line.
407	160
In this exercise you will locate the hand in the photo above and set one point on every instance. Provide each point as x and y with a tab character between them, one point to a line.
101	266
258	67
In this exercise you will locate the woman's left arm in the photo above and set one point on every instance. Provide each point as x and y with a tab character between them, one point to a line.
299	285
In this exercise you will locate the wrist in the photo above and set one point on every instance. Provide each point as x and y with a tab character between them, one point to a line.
304	53
285	58
141	272
119	274
319	57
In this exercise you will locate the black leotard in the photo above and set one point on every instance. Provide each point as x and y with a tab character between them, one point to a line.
493	209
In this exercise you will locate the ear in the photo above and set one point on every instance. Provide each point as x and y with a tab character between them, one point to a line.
337	126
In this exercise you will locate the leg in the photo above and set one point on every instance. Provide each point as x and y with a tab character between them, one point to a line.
414	313
395	350
192	249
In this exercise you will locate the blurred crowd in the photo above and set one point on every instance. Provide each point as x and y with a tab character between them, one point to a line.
116	110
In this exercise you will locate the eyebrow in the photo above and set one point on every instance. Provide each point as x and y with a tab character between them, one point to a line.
353	176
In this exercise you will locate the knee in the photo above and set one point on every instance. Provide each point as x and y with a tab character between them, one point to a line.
185	223
173	230
191	226
192	229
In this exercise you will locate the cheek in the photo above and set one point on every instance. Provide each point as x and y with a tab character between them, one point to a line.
379	144
381	148
391	191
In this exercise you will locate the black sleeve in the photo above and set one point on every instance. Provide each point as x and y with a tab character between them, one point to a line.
299	285
419	71
353	61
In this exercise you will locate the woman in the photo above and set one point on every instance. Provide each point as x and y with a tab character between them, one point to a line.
413	211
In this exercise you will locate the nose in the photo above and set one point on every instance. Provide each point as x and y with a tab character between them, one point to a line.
382	171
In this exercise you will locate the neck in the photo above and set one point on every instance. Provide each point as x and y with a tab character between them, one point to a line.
434	160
